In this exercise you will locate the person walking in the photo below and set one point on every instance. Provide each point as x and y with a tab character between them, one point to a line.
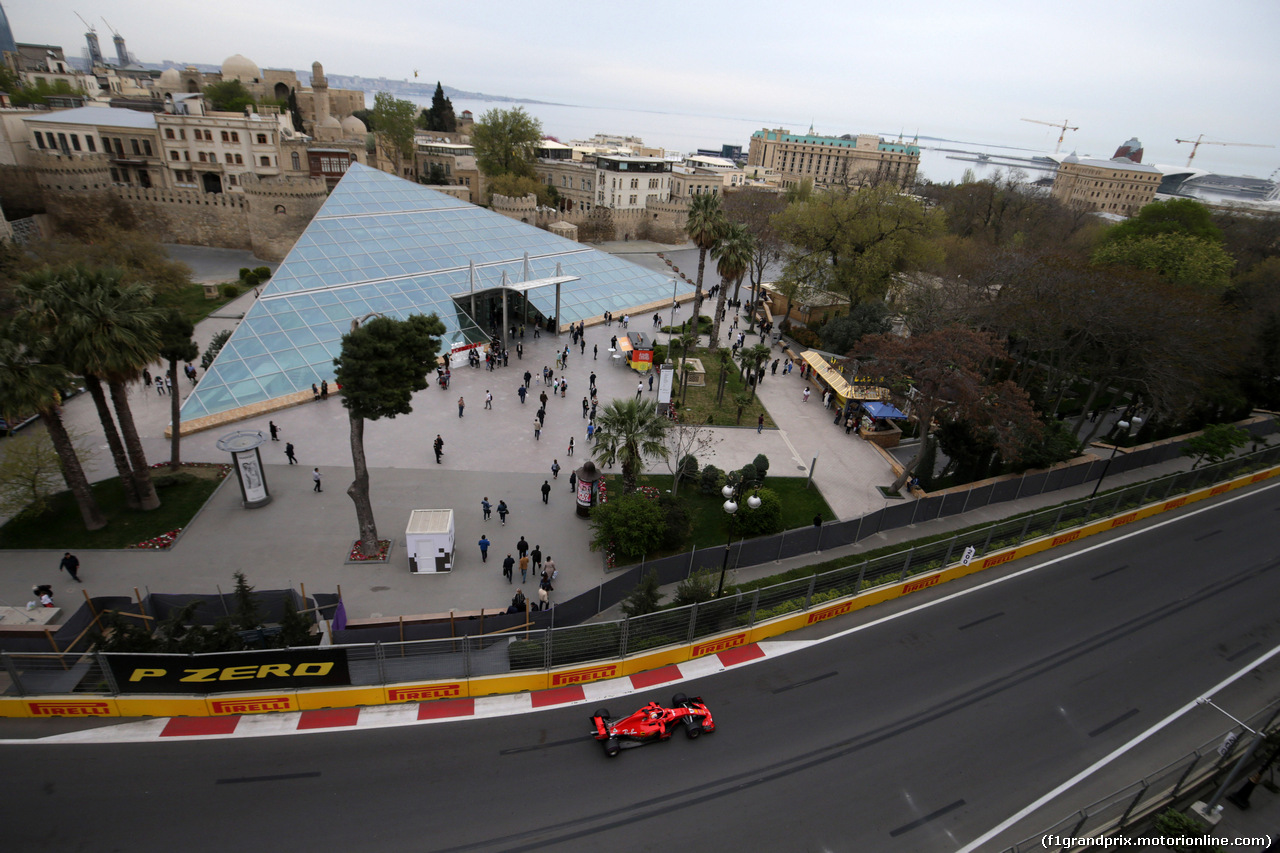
502	512
288	453
71	565
438	444
462	404
508	567
586	407
488	399
570	445
527	377
486	507
593	382
542	398
759	424
848	425
536	556
159	385
522	547
146	377
522	390
591	431
271	426
773	369
546	491
564	387
549	569
524	569
806	393
639	390
520	349
484	548
537	429
582	346
573	481
544	601
595	351
650	380
555	469
315	475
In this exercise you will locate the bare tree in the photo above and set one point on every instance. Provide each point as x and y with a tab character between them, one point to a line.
686	439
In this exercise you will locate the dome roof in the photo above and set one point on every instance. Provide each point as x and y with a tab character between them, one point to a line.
330	121
353	126
240	68
170	78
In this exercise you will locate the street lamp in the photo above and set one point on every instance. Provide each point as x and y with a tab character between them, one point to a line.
1125	428
731	494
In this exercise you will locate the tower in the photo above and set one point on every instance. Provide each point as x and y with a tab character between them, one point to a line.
122	55
6	35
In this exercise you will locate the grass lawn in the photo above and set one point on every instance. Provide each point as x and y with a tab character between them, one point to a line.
61	528
699	406
191	302
710	523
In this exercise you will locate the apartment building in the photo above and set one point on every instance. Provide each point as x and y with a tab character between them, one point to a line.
834	160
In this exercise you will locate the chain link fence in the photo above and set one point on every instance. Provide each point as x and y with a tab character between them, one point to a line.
535	641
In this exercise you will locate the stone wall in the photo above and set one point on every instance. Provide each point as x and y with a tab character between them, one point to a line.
267	218
661	222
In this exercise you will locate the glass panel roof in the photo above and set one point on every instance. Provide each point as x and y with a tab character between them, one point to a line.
380	243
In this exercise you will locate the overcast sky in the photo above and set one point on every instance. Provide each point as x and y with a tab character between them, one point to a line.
1157	70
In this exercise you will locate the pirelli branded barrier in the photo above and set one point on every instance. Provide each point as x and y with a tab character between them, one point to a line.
216	673
291	684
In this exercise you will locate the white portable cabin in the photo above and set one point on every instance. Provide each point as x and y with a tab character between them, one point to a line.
429	539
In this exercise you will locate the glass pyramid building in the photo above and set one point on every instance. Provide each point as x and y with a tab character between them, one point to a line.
384	244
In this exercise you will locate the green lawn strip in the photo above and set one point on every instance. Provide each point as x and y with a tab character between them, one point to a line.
62	528
699	405
799	505
192	303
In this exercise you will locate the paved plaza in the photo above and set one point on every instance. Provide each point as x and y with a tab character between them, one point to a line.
302	537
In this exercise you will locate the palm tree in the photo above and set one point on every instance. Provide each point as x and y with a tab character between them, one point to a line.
752	358
29	386
732	256
176	345
705	225
106	331
627	431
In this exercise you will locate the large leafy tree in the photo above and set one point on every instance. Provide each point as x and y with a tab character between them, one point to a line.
382	363
850	243
393	120
519	186
947	376
176	345
439	117
228	96
732	256
626	432
1174	216
104	330
756	209
705	225
1176	257
843	333
26	386
505	142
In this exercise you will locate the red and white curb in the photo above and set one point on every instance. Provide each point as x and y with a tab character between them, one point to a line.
417	713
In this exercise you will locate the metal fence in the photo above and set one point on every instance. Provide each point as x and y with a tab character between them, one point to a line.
1133	806
541	640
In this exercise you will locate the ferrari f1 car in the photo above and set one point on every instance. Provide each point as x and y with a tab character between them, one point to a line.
651	723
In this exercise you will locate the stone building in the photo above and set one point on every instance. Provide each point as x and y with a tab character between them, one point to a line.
627	182
454	162
834	160
1120	185
127	139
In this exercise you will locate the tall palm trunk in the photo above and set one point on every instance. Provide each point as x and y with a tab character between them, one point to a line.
358	491
72	471
715	320
118	455
175	452
137	458
697	289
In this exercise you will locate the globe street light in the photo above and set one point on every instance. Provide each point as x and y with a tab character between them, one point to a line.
1125	428
731	493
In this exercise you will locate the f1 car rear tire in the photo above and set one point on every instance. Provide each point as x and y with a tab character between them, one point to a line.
612	747
693	730
679	699
602	713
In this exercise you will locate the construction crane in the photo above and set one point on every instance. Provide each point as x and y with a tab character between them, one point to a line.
1065	125
95	50
1200	140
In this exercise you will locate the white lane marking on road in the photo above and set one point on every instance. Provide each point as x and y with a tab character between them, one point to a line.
1112	756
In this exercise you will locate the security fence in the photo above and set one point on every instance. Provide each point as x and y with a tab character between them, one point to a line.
1129	810
539	640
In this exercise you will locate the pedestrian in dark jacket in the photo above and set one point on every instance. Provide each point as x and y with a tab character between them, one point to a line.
71	565
546	491
502	512
508	568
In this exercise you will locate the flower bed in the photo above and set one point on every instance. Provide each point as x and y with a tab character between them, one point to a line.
159	543
384	546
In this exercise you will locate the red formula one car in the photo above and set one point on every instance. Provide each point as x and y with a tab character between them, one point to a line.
651	723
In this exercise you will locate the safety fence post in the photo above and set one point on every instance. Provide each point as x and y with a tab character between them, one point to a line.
107	675
693	621
861	573
755	602
1195	759
946	561
378	657
622	638
1124	818
546	649
906	566
13	673
808	595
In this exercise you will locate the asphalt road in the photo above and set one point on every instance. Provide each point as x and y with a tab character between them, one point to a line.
916	733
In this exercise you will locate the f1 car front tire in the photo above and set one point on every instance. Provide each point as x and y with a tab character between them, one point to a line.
692	730
679	699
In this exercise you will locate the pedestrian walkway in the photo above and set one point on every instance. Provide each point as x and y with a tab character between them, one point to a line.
303	537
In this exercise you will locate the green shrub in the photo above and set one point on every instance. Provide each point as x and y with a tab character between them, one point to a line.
263	273
710	480
677	523
215	347
698	587
806	337
688	467
748	476
632	525
1173	824
762	465
644	596
244	272
230	291
764	519
251	280
180	478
